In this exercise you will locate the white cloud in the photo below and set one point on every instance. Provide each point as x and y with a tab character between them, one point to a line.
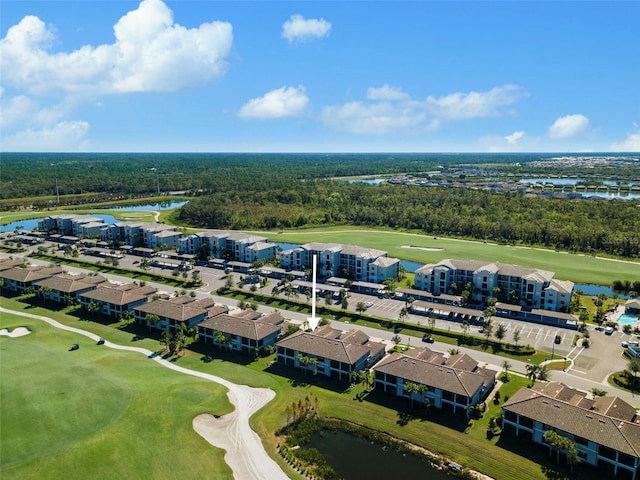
386	93
150	54
299	29
279	103
390	109
568	126
458	106
378	118
63	136
514	137
630	144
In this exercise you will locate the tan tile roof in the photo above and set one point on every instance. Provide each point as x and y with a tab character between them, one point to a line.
181	308
7	263
325	344
436	375
69	283
29	274
589	424
242	327
119	294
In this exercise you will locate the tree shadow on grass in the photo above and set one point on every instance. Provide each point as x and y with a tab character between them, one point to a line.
406	414
296	378
209	353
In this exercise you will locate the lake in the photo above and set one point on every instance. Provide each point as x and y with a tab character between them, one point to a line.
108	219
354	458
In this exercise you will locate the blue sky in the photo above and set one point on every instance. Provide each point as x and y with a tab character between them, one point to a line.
329	76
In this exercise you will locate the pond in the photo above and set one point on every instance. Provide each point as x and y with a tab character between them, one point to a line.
33	223
108	219
353	458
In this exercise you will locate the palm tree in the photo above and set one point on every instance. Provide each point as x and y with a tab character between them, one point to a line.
432	320
555	442
304	361
506	365
501	331
516	336
152	320
634	367
220	338
413	388
532	372
465	327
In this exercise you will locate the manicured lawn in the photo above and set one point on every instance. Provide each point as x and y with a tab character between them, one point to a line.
577	268
143	430
97	412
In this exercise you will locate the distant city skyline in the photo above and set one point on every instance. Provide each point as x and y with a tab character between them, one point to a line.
319	76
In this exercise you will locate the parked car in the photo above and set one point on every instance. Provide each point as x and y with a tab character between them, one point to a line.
608	330
558	339
368	304
630	343
427	338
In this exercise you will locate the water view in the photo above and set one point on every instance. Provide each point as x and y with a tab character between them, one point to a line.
108	219
354	458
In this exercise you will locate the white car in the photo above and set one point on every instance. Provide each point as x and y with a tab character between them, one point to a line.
368	304
630	343
608	330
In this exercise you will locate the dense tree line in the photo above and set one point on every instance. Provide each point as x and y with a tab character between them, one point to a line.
577	225
273	191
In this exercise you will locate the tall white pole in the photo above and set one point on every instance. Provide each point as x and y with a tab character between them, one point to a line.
313	293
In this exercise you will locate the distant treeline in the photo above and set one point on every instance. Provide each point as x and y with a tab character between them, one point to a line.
37	174
611	227
274	191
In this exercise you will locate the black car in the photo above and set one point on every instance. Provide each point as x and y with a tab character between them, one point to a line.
75	346
100	342
427	338
558	339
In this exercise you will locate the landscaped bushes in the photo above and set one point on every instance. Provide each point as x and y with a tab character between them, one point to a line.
396	326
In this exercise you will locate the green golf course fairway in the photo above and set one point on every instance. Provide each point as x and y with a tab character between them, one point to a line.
428	249
98	412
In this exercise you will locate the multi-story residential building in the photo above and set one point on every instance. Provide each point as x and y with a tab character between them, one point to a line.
230	245
176	311
140	234
604	429
90	230
63	286
264	251
69	224
452	383
514	284
382	268
164	239
115	300
17	279
334	353
244	332
349	261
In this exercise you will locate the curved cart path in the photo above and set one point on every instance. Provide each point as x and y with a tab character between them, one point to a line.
245	453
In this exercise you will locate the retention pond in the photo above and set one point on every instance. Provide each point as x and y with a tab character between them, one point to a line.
354	458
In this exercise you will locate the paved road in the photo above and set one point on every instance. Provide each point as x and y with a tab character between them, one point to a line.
245	453
590	367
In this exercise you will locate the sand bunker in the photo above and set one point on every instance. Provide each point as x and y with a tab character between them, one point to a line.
428	249
17	332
